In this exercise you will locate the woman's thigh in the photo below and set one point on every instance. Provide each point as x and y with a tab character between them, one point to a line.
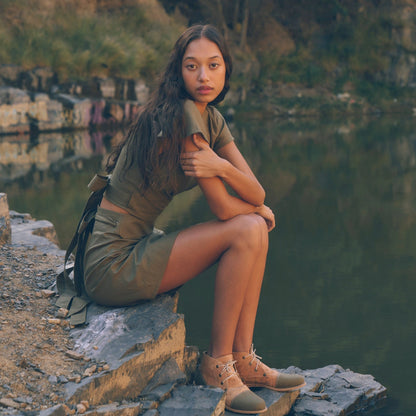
198	247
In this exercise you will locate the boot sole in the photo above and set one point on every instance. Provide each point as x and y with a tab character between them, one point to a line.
246	412
287	389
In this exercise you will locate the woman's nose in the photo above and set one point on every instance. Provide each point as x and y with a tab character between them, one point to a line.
203	75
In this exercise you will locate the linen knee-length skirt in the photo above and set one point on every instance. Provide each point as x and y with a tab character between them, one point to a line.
124	259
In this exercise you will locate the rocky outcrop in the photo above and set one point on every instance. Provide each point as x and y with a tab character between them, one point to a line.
147	369
24	112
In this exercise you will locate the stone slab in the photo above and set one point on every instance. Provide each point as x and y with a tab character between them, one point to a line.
115	409
194	400
28	232
333	391
57	410
134	341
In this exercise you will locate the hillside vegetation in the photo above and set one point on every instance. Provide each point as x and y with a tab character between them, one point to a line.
78	39
366	46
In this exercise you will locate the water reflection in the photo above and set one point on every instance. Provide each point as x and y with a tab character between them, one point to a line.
339	286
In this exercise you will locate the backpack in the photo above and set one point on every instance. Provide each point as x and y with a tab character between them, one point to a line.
72	294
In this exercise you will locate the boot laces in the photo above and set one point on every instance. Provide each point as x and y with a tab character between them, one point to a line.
229	369
254	357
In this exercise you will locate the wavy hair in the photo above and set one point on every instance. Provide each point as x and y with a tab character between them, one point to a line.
154	141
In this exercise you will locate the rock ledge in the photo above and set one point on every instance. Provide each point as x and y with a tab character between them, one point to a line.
150	371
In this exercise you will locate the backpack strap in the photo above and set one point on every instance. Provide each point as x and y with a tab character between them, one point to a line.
72	295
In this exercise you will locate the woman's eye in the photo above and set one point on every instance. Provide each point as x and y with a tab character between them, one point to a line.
215	65
191	66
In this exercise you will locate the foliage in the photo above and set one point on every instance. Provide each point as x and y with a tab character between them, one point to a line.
336	42
76	43
325	42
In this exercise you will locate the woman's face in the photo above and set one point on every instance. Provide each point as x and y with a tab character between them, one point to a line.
203	71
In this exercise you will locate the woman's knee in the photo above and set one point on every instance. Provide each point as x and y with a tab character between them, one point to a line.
251	232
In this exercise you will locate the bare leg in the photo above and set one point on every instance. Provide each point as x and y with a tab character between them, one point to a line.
245	328
238	244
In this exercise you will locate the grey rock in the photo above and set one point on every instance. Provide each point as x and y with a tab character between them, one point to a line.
5	228
77	110
114	409
152	412
24	399
47	114
53	379
194	400
57	410
160	393
331	390
6	402
62	379
27	232
10	96
169	372
164	381
14	108
134	341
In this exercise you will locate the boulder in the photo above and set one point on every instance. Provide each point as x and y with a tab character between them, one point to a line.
48	114
20	114
333	391
11	96
77	111
14	107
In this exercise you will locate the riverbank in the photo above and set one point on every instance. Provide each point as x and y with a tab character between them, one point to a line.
53	369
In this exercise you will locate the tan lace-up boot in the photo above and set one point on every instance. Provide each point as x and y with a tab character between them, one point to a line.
254	373
220	372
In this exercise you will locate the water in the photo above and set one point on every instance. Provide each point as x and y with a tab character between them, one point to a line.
340	280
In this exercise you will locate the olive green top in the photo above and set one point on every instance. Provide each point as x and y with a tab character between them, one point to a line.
123	189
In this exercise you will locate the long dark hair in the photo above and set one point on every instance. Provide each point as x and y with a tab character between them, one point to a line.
154	140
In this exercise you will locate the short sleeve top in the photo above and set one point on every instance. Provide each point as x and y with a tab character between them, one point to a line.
124	187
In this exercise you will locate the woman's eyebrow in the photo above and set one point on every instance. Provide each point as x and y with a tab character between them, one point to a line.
192	57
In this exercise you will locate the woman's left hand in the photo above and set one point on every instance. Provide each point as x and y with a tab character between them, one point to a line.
202	163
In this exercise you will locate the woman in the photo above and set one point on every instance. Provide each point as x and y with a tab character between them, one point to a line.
179	141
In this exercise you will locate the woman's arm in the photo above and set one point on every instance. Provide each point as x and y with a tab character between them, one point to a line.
222	204
229	165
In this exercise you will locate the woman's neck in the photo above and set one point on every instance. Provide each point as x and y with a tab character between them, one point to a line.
200	106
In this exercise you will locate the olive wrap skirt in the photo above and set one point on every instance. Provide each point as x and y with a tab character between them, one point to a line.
125	259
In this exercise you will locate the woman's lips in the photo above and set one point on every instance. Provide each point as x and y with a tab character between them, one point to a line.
204	90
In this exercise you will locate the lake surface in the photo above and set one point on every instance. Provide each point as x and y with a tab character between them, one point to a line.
340	282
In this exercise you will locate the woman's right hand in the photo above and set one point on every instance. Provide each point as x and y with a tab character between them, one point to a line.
265	212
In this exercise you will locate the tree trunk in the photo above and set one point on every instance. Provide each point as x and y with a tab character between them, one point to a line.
244	26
